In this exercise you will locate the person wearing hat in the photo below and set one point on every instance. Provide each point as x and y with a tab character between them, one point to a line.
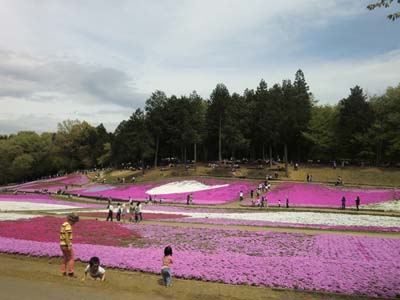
66	245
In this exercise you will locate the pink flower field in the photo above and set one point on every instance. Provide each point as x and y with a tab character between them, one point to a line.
324	262
139	192
39	198
308	194
52	184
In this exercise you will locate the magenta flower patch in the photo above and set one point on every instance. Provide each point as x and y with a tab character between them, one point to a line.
308	194
39	198
323	262
229	191
52	184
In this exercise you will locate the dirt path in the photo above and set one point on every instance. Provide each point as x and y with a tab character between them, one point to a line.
38	279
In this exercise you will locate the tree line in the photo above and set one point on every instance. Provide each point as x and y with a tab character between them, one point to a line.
281	120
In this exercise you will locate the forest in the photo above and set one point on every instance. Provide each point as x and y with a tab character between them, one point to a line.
282	120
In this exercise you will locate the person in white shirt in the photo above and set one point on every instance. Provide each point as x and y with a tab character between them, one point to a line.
94	270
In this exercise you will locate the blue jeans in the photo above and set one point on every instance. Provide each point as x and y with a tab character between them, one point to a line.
166	275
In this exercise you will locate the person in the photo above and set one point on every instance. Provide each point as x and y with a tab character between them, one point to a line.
287	202
138	212
308	177
266	202
110	213
251	194
262	201
311	178
279	203
66	245
94	269
130	201
241	196
187	199
131	212
358	202
258	202
119	211
343	202
167	262
191	199
339	181
124	211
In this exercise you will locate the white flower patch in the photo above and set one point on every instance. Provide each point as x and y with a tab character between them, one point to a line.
301	218
31	206
80	211
186	186
15	216
388	205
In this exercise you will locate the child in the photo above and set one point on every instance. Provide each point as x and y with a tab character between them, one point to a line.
94	269
166	266
66	245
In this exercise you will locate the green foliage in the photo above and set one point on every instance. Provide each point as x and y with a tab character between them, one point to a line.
385	4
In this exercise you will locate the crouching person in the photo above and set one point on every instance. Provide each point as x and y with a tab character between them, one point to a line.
95	270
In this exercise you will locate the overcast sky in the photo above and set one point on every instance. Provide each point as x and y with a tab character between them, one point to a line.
100	60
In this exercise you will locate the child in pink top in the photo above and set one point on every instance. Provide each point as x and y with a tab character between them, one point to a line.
166	266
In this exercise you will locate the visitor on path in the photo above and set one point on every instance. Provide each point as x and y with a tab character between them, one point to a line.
251	194
167	262
66	245
262	201
124	211
266	202
343	202
191	199
279	203
187	199
358	202
287	202
311	178
258	202
241	196
110	213
130	201
138	212
131	212
119	212
94	269
308	177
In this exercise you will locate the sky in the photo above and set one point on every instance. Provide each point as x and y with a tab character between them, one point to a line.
98	61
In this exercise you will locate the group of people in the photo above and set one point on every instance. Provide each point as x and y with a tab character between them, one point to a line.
94	268
357	202
134	211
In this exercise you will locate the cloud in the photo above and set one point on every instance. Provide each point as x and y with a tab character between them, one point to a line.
39	79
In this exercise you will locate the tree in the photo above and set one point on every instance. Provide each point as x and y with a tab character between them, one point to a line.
155	109
132	141
219	100
385	4
321	132
355	118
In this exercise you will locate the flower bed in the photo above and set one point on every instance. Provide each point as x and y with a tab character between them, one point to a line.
281	224
218	192
46	229
25	201
146	216
52	184
308	194
331	263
